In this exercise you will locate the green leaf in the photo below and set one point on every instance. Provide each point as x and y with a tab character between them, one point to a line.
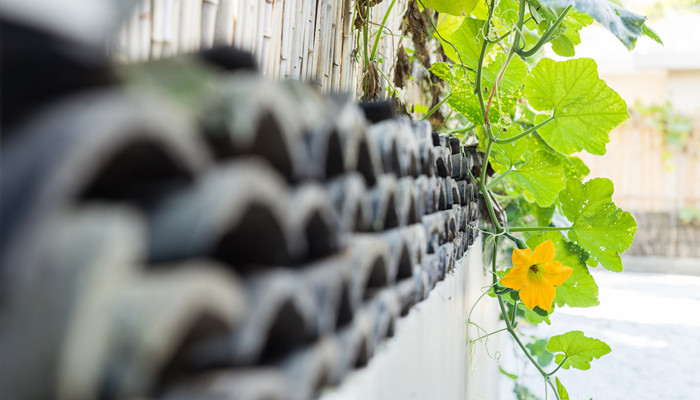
508	374
599	227
563	394
538	350
505	13
563	46
465	101
453	7
585	109
573	23
578	349
467	38
580	289
574	167
626	25
541	177
646	31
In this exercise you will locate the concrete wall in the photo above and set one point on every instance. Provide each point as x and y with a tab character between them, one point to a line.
429	358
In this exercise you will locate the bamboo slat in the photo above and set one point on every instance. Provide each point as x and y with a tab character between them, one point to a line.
312	40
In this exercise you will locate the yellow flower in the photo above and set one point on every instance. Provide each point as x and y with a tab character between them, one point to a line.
535	274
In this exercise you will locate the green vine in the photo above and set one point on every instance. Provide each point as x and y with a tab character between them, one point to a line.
529	114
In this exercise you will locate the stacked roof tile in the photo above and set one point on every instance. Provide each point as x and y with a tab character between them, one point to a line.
260	248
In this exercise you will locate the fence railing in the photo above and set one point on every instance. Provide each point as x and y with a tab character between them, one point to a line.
648	176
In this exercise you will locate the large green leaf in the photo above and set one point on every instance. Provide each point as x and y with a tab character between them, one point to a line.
599	227
580	289
464	100
585	109
626	25
578	349
466	35
453	7
540	178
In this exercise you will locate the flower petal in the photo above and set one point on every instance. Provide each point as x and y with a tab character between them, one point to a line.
556	273
538	293
523	257
544	253
516	278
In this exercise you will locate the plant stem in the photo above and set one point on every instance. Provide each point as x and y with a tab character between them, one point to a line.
379	33
525	133
539	228
435	108
488	334
498	179
546	37
462	130
558	366
480	65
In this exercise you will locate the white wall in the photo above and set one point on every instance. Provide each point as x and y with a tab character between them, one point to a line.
429	357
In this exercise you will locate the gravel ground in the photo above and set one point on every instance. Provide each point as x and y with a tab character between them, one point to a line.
652	323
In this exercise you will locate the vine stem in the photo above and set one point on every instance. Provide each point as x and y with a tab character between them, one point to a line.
558	366
525	133
500	178
379	35
435	108
490	140
546	37
488	334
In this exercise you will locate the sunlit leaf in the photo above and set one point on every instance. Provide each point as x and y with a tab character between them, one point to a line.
578	349
563	394
599	227
454	7
541	177
646	31
585	109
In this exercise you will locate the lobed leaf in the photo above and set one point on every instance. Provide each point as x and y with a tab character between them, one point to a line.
578	349
599	227
585	109
541	177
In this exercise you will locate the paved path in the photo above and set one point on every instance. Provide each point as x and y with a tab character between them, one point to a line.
652	323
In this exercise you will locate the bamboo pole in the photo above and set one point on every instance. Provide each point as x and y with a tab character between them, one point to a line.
210	9
337	49
145	30
224	24
157	35
276	41
346	74
170	22
319	44
310	32
299	42
265	38
287	35
133	39
239	34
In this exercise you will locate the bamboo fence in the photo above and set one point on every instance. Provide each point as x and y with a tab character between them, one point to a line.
648	176
313	40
